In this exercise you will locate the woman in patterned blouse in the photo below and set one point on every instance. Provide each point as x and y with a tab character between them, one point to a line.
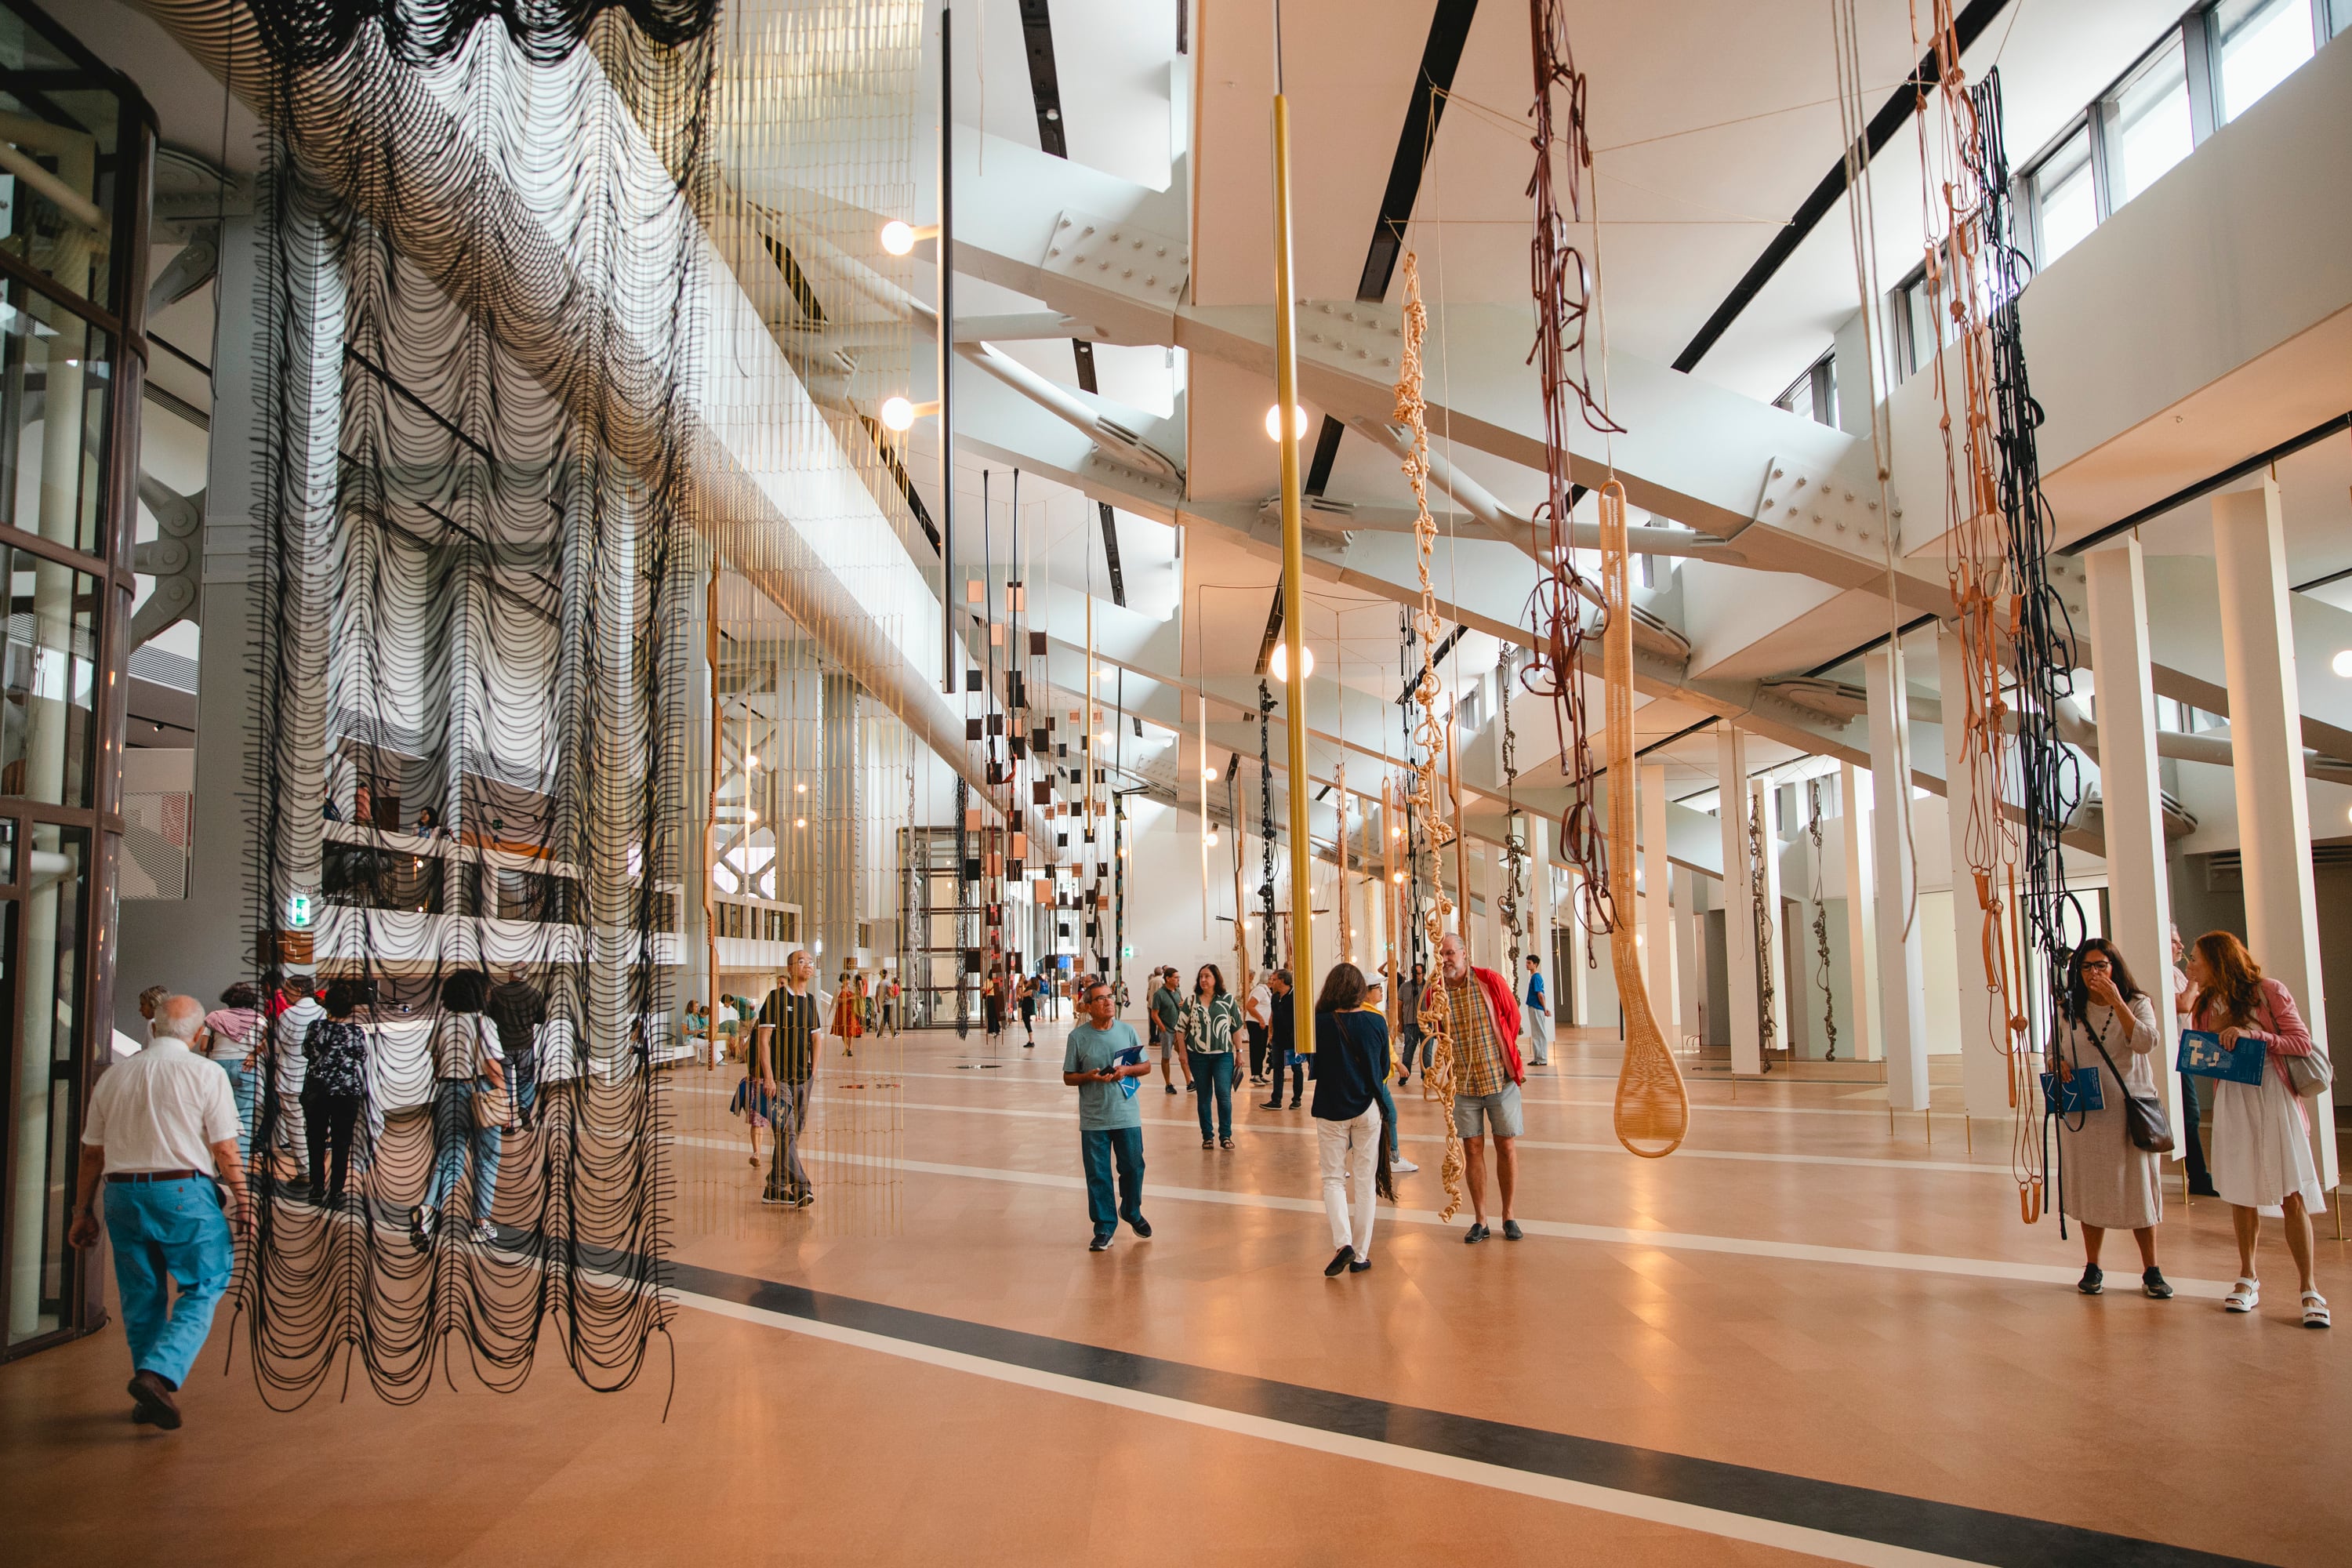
1209	1020
334	1089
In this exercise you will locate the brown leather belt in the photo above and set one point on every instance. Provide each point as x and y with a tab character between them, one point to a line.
158	1176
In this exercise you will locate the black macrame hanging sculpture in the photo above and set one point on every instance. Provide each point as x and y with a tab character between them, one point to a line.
475	330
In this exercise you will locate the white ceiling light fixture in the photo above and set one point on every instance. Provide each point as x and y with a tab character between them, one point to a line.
1279	665
898	238
900	415
1273	421
2342	663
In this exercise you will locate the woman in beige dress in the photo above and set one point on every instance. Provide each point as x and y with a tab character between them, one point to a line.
2105	1184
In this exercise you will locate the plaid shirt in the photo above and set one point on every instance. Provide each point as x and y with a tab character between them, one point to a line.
1478	1066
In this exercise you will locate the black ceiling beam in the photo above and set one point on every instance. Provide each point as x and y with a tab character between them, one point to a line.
1434	660
1441	55
1044	80
1084	353
1969	25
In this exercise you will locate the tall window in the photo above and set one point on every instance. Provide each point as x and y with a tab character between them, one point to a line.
2148	128
71	352
2256	44
2065	191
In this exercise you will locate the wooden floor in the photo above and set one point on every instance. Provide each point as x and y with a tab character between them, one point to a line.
1800	1291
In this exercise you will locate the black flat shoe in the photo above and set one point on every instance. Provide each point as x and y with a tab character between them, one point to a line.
1339	1264
1141	1227
2093	1282
1511	1231
1357	1265
1099	1243
1270	1105
1475	1233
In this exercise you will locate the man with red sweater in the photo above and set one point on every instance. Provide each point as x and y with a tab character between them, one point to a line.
1482	1017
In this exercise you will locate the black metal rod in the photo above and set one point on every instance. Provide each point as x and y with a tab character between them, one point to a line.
948	682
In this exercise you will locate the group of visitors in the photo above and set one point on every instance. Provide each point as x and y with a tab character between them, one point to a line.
1004	995
2262	1164
1354	1062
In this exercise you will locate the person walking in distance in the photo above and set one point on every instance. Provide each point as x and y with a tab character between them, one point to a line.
1538	1015
1409	1011
1166	1005
1257	1018
1281	1043
1029	1011
1483	1021
518	1012
285	1076
1208	1022
1101	1052
2190	1136
334	1089
232	1036
792	1021
160	1132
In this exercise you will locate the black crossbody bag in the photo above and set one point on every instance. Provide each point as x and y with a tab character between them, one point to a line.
2144	1119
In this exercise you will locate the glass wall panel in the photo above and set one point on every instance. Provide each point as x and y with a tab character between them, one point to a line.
48	680
2065	197
49	1024
2148	124
56	374
57	125
2260	43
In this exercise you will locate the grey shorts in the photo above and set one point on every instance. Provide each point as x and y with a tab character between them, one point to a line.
1474	1113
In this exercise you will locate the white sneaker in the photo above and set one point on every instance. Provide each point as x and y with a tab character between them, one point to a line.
1402	1165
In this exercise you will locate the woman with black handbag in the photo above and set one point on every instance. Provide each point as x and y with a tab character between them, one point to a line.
2107	1157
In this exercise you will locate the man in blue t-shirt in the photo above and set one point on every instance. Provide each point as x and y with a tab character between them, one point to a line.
1538	1015
1110	1124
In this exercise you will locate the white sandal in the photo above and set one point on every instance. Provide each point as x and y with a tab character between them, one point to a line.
2314	1310
2243	1297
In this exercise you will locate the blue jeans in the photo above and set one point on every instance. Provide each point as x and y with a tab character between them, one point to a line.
240	1085
175	1229
1213	1074
1387	1112
453	1132
1124	1147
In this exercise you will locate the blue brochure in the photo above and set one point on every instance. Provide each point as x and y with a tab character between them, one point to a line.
2072	1096
2201	1055
1128	1059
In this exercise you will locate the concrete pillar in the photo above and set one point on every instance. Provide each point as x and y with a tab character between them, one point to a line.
1577	982
695	982
1738	901
1772	952
2266	740
1861	934
1538	914
1984	1011
2139	891
1658	877
1901	991
841	850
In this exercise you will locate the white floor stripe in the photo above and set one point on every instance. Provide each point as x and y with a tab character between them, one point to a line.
1256	1128
1579	1494
1611	1234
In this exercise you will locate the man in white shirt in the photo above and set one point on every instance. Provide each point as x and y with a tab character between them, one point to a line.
160	1129
291	1070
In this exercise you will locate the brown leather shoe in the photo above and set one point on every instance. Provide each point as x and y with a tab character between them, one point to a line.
154	1397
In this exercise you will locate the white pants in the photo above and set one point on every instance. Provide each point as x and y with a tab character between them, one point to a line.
1349	1150
1538	1027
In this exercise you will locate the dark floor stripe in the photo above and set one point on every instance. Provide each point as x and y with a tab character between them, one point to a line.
1916	1523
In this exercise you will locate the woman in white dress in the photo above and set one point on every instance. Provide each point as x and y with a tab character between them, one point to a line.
2262	1133
2106	1183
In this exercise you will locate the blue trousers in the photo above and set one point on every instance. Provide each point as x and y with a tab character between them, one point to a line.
1212	1076
240	1085
1122	1146
174	1229
453	1133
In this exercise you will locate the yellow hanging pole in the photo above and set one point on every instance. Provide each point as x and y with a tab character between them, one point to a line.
1294	573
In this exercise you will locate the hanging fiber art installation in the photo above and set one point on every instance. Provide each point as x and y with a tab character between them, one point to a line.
1436	829
1767	992
1820	921
1651	1112
474	573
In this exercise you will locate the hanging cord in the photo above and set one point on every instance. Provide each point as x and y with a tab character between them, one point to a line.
1514	842
1820	921
1267	951
1766	991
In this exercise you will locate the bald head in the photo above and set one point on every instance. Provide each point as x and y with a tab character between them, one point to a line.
178	1018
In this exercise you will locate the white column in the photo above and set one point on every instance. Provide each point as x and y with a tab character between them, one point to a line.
2139	892
1739	901
1902	994
1577	981
1765	793
1861	937
1686	976
1984	1013
2266	740
1537	914
1658	875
